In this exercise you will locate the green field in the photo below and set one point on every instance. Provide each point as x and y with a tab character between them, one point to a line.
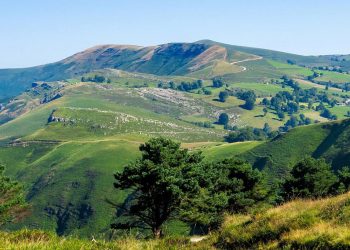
261	89
227	150
335	77
291	70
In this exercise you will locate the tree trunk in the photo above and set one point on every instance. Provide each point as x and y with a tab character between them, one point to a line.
157	232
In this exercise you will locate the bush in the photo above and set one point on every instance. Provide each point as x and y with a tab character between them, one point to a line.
309	178
223	119
223	95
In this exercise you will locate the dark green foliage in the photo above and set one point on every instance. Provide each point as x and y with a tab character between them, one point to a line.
327	114
183	86
249	97
217	83
240	182
295	121
223	119
265	111
203	124
250	134
207	91
188	86
12	203
343	183
160	181
223	95
309	178
96	78
229	185
249	104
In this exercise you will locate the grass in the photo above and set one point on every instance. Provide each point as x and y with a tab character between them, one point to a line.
291	70
256	118
85	173
227	150
35	239
300	224
334	77
261	89
67	167
328	140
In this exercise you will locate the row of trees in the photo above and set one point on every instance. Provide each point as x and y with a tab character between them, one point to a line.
250	134
168	182
314	178
186	86
95	78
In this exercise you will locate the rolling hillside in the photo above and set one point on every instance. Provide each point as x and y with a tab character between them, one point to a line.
66	150
204	59
327	140
65	136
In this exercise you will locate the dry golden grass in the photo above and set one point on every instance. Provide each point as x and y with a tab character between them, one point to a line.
35	239
322	223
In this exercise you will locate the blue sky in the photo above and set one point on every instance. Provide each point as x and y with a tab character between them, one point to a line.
41	31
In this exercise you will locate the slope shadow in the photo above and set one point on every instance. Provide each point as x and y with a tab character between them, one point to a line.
335	131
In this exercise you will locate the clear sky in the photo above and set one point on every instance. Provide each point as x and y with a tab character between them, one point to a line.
41	31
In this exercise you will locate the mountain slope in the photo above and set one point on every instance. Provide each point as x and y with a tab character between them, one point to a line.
328	140
299	224
165	59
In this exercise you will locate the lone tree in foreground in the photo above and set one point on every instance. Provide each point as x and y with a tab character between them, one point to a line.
160	181
12	203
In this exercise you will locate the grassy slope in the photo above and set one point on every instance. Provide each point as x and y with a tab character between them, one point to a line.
328	140
334	77
67	183
67	168
300	224
61	178
226	150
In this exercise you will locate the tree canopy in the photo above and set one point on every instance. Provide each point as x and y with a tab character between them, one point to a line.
12	202
309	178
160	181
223	119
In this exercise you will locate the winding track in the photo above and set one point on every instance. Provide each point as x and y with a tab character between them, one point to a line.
247	60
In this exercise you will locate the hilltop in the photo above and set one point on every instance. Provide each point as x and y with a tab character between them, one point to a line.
205	59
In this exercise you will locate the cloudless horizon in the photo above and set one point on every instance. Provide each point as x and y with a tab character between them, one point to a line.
38	32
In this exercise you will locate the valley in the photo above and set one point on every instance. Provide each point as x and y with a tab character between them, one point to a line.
67	127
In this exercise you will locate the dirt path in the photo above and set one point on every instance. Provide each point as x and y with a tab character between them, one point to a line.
247	60
196	239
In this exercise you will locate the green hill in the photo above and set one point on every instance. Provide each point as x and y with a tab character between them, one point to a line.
300	224
64	137
204	59
66	150
327	140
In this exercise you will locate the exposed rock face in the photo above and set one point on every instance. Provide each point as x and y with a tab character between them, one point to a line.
51	97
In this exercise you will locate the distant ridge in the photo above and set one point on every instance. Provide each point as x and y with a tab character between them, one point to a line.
164	59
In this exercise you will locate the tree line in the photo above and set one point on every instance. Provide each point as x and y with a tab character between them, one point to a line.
169	182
